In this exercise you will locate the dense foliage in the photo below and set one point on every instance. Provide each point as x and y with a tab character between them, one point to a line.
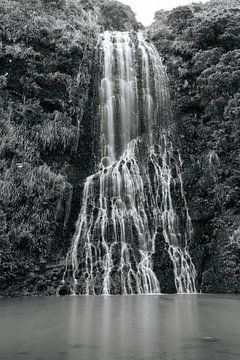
118	16
47	73
47	90
200	44
44	79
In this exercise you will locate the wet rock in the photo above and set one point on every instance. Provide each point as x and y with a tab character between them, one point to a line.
64	290
162	265
106	161
41	287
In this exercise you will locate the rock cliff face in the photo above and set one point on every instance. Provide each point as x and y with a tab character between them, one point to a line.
49	105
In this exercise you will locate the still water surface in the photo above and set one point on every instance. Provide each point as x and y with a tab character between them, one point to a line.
168	327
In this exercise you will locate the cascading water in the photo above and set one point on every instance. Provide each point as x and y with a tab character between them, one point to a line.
137	191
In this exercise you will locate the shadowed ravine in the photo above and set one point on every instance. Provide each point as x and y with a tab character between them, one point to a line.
135	199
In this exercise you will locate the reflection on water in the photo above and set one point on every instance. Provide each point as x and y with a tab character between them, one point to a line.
168	327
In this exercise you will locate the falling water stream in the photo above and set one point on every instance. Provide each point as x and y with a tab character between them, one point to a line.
136	195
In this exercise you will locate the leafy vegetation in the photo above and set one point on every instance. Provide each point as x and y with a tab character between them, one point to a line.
46	52
118	16
47	100
200	44
47	73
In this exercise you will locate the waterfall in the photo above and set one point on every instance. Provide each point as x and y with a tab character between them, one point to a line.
136	194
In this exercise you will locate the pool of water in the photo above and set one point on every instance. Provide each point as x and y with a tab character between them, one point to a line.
168	327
